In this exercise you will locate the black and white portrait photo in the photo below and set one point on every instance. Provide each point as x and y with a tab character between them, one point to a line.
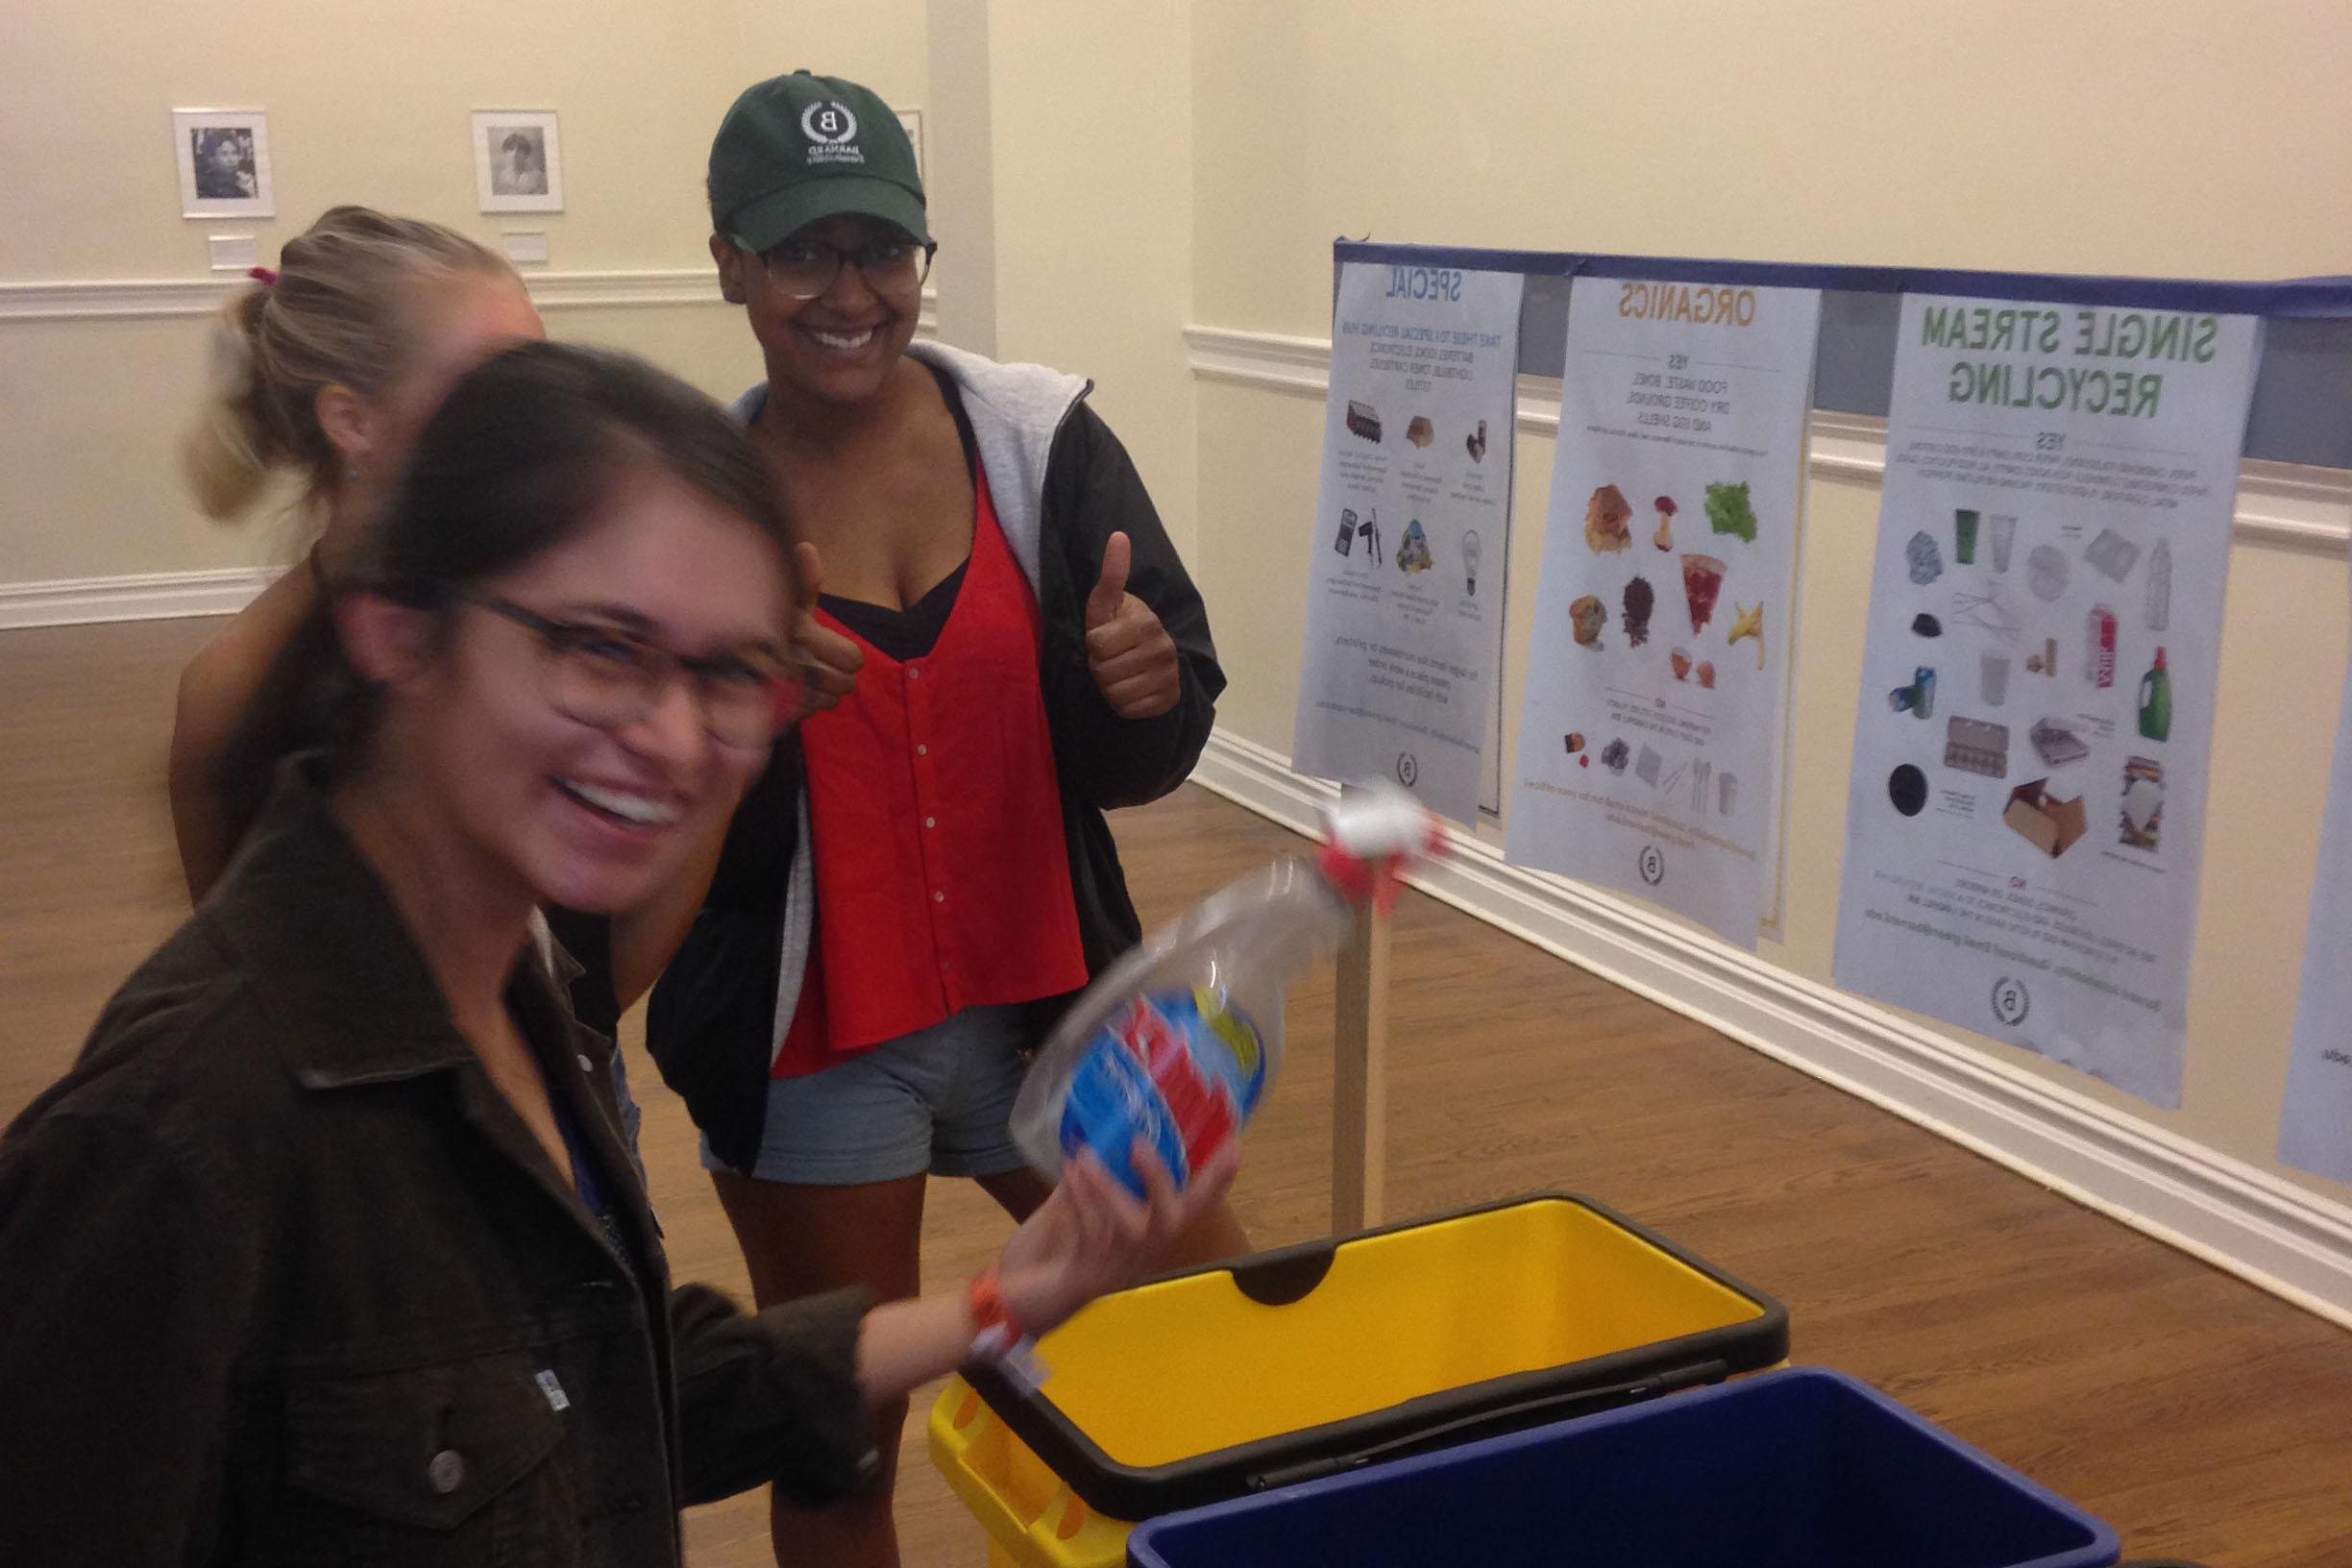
520	168
517	163
223	163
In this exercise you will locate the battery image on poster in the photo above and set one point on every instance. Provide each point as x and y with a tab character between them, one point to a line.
2024	825
1650	732
1411	528
2316	1125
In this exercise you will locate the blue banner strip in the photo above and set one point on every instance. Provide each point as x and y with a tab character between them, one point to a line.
2307	299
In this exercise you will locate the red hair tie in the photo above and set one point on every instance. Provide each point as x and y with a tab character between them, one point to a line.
262	276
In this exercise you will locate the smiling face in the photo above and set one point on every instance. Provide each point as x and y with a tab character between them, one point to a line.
842	346
589	819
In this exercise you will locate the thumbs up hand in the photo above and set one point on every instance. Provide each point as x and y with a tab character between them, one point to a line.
1131	654
833	660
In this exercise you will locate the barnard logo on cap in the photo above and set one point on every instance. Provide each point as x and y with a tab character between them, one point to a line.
832	131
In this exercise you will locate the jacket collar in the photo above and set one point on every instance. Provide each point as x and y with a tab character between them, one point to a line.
327	950
1016	412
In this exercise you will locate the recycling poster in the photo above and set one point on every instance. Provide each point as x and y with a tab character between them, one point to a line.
1411	532
2316	1128
2025	820
1649	735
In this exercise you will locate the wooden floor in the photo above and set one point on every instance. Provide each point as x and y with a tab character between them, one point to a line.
2201	1417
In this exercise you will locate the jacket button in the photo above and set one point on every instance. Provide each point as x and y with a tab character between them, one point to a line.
447	1471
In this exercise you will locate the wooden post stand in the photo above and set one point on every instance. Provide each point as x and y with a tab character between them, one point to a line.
1360	1077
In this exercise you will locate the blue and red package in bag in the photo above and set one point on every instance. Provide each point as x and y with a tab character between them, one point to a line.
1175	1043
1182	1070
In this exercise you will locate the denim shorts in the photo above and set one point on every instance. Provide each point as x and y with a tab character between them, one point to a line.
937	1100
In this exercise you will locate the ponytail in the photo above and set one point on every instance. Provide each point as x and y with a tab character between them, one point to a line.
336	313
228	453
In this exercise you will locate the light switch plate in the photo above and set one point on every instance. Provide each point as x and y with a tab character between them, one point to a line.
526	246
231	253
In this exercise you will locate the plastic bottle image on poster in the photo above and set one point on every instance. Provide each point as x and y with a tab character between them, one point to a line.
1409	549
2025	818
1649	734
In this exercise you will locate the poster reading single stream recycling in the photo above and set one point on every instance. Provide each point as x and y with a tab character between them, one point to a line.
1649	734
2316	1128
2025	820
1411	530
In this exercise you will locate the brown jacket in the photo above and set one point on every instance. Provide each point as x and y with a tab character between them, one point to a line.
284	1280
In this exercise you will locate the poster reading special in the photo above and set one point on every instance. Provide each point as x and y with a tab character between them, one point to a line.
1649	734
2025	820
2315	1127
1411	532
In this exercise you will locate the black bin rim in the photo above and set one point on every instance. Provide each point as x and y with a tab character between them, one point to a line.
1134	1493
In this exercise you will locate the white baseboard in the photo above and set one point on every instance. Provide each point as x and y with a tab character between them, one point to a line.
2234	1216
159	596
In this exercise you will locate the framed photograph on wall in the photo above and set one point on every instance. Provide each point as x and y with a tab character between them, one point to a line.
223	162
518	162
912	119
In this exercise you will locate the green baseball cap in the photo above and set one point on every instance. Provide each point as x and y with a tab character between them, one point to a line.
799	149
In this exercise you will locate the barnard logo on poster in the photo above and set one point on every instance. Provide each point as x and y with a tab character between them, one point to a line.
832	132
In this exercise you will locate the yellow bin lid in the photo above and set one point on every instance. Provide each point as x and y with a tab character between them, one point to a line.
1292	1363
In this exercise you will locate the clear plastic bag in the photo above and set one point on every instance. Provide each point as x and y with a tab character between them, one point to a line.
1176	1043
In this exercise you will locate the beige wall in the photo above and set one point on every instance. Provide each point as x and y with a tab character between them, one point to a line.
366	104
2180	137
2154	139
1089	213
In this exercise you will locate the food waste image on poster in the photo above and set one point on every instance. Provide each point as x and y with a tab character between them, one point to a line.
1649	734
1410	543
2025	823
2315	1124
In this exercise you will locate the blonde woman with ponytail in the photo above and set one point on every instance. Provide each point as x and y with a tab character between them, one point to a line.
324	371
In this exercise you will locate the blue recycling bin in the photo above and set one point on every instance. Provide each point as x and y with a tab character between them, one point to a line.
1795	1469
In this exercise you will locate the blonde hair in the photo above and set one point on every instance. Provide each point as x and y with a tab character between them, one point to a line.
333	316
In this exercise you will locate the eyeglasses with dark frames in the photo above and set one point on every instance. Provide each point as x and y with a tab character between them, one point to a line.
805	268
609	678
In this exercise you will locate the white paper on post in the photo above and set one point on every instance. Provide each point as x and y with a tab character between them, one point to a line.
1650	736
1411	532
2025	820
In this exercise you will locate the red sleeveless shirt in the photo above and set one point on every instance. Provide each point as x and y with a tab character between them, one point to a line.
935	818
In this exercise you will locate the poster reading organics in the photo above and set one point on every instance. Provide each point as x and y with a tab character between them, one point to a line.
2315	1127
1411	532
1649	734
2025	820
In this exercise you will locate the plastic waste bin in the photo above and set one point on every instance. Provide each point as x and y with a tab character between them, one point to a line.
1310	1360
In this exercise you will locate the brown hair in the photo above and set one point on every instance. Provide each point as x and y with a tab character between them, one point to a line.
517	461
333	316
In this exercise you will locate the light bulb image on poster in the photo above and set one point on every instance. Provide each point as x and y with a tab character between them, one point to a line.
1401	650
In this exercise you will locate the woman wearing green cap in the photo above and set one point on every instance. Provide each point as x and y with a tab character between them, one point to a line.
911	892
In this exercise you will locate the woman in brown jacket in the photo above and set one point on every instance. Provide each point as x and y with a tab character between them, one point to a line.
329	1248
